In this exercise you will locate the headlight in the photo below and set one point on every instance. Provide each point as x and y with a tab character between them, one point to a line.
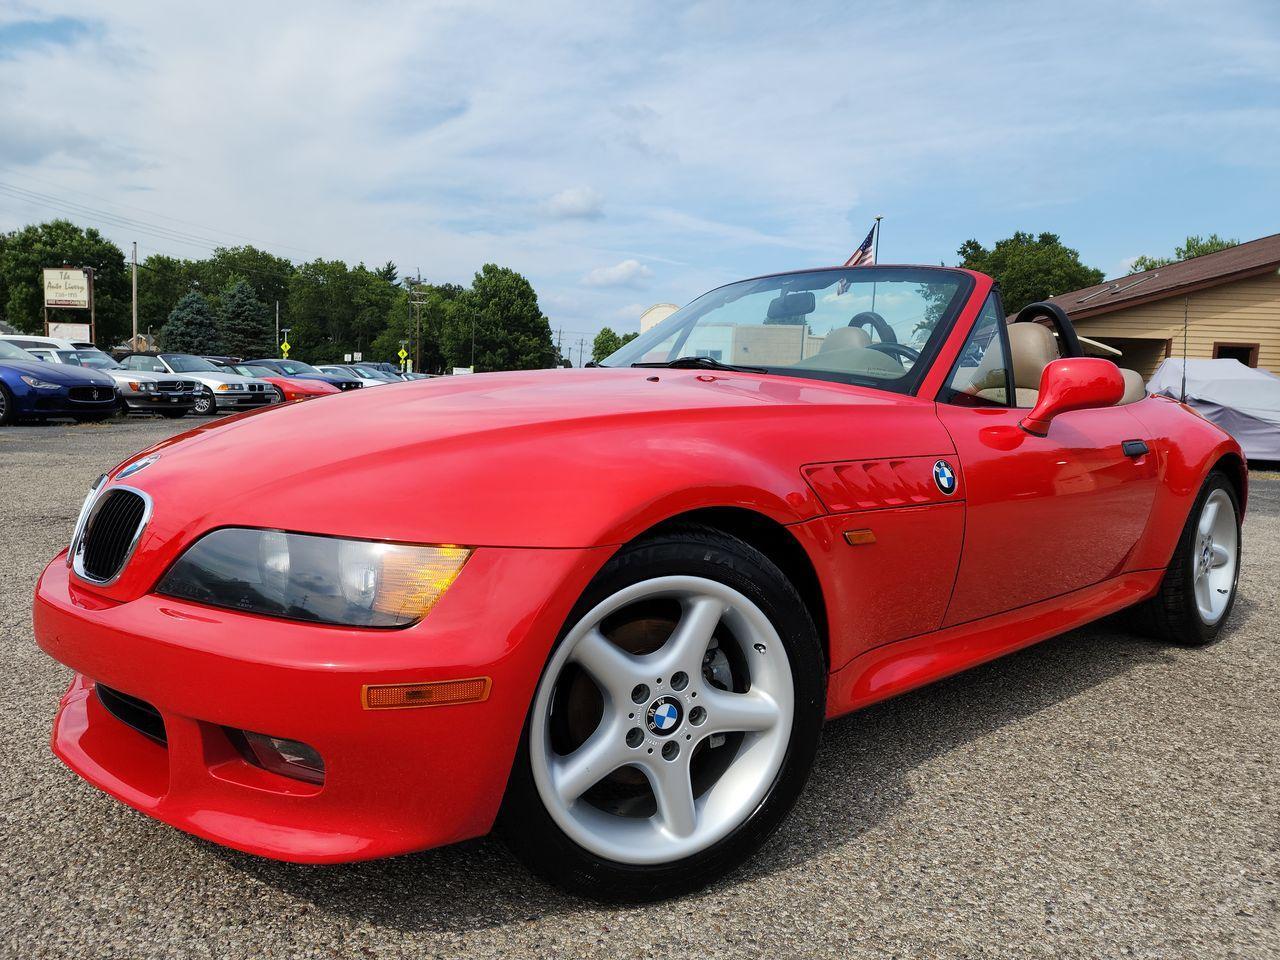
142	386
224	387
38	383
357	583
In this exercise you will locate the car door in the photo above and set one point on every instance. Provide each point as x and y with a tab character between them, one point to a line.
1044	515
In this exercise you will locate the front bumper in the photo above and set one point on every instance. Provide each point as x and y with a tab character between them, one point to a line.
41	403
150	402
395	780
244	401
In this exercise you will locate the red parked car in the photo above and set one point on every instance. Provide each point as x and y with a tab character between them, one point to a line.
609	609
289	388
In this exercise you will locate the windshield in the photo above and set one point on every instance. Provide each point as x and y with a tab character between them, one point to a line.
248	370
94	359
875	326
185	363
294	366
9	352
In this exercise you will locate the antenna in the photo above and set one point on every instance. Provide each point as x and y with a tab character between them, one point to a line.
1186	301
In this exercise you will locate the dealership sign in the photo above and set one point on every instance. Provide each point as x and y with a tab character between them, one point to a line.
68	288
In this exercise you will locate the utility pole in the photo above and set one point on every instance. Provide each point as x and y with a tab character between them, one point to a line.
134	345
416	300
582	345
559	334
277	323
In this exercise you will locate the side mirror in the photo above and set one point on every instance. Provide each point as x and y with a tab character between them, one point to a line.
1074	383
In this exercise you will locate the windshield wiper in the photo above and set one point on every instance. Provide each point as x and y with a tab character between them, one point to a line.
709	363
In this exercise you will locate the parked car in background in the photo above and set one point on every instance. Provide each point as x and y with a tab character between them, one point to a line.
221	390
32	388
291	388
169	396
305	371
370	378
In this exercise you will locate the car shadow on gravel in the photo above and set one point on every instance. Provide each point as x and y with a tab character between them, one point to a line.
862	775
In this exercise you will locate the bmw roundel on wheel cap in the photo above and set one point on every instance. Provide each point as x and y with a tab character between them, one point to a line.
945	477
664	716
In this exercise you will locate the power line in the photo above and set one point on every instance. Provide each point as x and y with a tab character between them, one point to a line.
64	189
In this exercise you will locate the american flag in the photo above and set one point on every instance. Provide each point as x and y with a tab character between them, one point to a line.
865	255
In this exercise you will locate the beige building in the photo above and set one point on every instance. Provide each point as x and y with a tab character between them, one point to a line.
1230	301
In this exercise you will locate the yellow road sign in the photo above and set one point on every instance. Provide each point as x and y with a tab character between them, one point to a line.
403	354
284	348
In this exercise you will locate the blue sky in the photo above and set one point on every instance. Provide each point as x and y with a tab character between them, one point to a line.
626	154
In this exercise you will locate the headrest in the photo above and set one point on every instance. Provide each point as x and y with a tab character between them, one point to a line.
841	338
792	305
1033	347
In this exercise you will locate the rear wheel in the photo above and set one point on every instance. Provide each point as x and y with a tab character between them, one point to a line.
674	725
7	408
1199	585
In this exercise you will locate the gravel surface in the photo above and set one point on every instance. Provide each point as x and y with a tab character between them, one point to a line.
1094	796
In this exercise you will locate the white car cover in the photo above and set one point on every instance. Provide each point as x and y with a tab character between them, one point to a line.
1243	401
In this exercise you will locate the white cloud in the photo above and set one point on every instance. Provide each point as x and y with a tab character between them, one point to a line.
628	273
726	148
581	203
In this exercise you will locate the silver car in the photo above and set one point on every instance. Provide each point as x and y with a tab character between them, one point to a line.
222	391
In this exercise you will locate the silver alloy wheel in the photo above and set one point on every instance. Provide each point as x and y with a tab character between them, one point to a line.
1215	557
204	402
658	709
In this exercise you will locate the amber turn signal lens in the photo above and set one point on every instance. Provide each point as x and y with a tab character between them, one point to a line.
859	538
391	696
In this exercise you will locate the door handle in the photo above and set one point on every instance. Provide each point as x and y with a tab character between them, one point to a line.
1135	448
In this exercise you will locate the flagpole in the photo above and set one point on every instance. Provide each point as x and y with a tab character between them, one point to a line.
875	258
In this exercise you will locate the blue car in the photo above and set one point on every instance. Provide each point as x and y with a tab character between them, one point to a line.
31	388
305	371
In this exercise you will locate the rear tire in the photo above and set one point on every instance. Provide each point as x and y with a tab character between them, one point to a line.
8	409
1198	591
679	794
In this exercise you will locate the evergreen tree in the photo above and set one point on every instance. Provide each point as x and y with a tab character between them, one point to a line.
191	327
501	312
245	328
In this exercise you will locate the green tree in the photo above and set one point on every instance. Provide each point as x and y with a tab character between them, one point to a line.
501	312
389	272
1196	246
269	274
1029	268
321	311
607	342
23	255
162	282
191	327
245	328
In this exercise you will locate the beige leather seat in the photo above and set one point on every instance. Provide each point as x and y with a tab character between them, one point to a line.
1032	346
1134	388
841	338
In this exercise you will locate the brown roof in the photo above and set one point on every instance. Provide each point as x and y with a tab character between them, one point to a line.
1234	263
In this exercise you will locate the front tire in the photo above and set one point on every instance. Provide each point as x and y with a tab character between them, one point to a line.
1199	586
8	409
205	404
674	725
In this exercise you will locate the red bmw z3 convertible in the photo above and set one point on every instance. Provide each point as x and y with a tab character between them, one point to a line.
606	611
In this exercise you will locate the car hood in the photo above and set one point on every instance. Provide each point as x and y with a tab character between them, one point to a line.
557	458
61	373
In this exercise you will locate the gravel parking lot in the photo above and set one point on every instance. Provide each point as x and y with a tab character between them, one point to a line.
1097	795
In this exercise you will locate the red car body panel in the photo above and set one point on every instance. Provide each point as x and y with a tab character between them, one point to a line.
545	474
295	388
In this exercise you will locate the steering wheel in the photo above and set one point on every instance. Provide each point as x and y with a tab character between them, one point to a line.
899	350
877	323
